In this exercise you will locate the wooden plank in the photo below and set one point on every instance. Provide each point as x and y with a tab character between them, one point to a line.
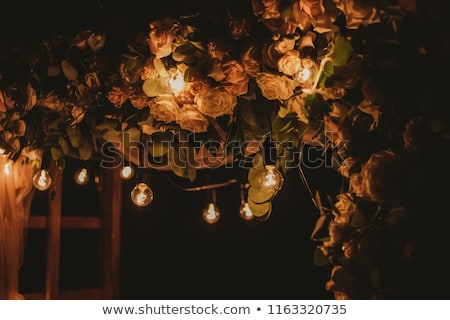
53	234
67	222
111	204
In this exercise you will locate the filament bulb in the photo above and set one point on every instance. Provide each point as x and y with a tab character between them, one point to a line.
141	195
245	211
42	180
127	172
211	213
82	176
270	179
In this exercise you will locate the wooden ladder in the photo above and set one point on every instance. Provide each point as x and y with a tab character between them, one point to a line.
108	226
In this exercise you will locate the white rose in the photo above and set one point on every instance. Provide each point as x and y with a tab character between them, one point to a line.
164	108
275	87
215	102
290	63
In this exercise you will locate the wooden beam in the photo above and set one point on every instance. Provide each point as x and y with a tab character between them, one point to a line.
67	222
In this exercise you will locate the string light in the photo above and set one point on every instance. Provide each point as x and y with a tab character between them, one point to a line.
141	195
176	80
211	213
245	211
42	180
270	179
81	176
127	172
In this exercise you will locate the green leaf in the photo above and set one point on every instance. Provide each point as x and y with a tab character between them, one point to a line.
85	150
342	52
184	53
319	258
155	86
64	145
56	153
160	68
131	137
328	71
260	209
69	71
74	134
316	106
318	226
160	144
260	196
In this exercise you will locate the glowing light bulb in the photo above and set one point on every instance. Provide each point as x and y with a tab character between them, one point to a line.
211	213
42	180
8	167
82	176
245	211
176	81
2	151
141	195
270	179
127	172
304	74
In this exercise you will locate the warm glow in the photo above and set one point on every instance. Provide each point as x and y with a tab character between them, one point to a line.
305	74
82	176
211	213
2	151
176	82
245	212
42	180
270	179
127	172
8	167
142	195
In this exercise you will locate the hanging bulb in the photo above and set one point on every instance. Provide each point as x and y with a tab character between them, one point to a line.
245	211
42	180
270	179
81	176
176	80
304	74
141	195
127	172
211	213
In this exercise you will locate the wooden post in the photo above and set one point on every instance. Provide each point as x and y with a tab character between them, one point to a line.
111	204
54	234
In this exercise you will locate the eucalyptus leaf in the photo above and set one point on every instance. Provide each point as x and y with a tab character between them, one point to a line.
260	209
74	134
318	226
69	71
85	150
64	145
342	52
260	196
319	259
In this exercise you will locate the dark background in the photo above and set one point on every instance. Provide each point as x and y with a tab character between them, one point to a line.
168	251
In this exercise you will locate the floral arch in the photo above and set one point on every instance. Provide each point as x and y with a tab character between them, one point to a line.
215	86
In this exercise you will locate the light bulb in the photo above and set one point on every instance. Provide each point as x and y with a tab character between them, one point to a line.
270	179
176	81
81	176
127	172
245	211
304	74
141	195
211	213
42	180
8	167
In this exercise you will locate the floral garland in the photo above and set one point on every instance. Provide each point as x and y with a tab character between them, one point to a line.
289	72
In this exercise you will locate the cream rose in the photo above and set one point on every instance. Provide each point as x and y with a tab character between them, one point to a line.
160	37
290	63
358	12
236	76
165	108
274	87
215	102
191	119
